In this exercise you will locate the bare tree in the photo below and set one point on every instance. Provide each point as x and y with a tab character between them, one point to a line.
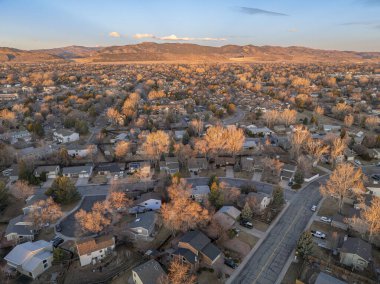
372	122
44	212
122	149
21	189
156	144
179	273
371	215
288	116
182	213
300	135
234	140
316	150
337	149
197	126
271	117
348	120
344	182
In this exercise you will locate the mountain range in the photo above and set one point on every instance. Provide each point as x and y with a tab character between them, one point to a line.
183	52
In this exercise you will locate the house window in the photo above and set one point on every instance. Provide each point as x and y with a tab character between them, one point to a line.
145	203
101	251
44	261
46	265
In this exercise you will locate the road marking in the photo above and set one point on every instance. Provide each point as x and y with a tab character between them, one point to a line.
278	245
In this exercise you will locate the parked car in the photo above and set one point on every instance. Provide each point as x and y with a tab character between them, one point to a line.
246	224
318	234
230	263
58	228
57	241
358	162
314	208
375	177
325	219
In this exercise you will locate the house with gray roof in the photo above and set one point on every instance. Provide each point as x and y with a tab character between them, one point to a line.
19	230
143	226
356	253
324	278
199	244
31	258
77	171
149	272
200	192
65	136
51	171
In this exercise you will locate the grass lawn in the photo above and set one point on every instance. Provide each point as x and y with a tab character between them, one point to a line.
243	175
261	226
329	207
207	277
221	172
46	234
292	273
13	209
98	179
247	238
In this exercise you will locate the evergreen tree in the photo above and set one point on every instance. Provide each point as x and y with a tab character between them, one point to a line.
278	197
299	177
305	245
63	191
246	213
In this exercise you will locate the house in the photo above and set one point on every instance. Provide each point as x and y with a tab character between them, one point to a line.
227	216
254	130
200	193
35	152
14	136
375	153
81	151
8	97
19	230
143	226
142	167
355	253
149	272
186	256
324	278
111	170
178	134
224	161
338	222
65	136
31	258
247	164
195	165
50	171
249	143
92	250
374	188
287	172
331	128
77	171
199	244
11	172
170	165
150	201
262	199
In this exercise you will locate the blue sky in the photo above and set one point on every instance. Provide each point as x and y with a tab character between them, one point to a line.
328	24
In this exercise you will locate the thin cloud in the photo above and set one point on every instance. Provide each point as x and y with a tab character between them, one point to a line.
177	38
140	36
257	11
114	34
293	30
357	24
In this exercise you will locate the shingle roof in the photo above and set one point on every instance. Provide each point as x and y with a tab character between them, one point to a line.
211	251
359	247
196	239
144	220
88	245
187	254
149	272
23	230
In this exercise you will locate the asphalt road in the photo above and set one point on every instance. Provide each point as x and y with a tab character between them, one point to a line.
235	118
267	262
68	223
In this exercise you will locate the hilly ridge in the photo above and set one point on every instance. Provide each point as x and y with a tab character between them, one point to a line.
172	52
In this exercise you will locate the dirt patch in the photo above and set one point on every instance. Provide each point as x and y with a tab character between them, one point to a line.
261	226
207	277
243	175
329	207
221	172
235	245
248	239
292	273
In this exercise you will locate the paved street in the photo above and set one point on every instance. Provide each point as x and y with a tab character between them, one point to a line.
235	118
267	262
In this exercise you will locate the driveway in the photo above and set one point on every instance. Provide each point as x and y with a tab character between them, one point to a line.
69	225
230	172
82	181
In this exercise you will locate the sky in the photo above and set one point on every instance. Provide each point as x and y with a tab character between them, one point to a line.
326	24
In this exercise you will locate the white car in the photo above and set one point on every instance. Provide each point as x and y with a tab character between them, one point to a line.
325	219
314	208
318	234
358	162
